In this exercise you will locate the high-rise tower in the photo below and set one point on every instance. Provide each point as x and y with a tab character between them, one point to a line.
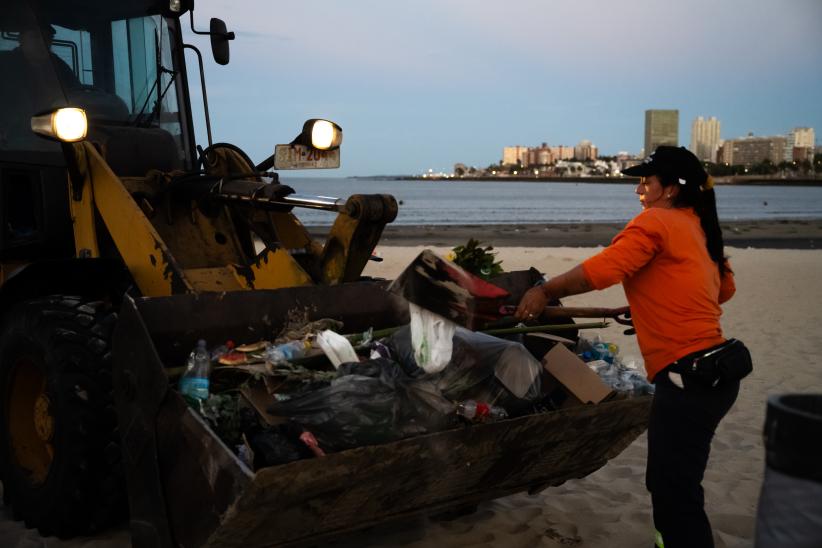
661	128
705	138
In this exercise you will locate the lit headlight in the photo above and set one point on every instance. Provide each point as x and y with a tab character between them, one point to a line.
325	135
65	124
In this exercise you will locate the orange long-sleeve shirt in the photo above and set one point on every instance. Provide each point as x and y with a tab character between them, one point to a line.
672	285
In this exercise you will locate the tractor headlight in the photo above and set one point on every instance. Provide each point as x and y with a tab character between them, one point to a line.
320	134
64	124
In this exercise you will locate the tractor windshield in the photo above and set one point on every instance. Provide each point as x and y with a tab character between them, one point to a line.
111	59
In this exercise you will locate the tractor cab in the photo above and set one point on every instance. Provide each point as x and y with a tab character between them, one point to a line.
121	63
98	91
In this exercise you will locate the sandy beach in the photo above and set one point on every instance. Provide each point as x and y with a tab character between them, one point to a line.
775	311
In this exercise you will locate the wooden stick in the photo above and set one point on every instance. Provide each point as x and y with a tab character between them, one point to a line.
583	312
571	311
544	328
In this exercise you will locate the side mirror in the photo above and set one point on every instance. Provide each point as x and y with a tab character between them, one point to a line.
219	41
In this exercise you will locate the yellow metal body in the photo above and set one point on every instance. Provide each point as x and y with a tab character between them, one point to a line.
143	251
176	246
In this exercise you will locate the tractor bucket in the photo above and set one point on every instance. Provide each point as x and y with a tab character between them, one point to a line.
187	488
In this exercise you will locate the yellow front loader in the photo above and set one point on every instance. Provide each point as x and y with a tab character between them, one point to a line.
122	242
104	194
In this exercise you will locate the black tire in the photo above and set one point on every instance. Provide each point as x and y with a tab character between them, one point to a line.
60	456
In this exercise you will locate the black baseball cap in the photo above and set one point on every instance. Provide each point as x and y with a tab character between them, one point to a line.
669	160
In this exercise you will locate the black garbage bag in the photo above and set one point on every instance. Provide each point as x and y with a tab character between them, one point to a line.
276	445
370	402
482	367
420	407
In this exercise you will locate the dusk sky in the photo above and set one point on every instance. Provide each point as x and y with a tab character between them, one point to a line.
424	84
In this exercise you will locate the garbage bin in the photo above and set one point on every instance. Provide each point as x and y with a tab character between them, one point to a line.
790	504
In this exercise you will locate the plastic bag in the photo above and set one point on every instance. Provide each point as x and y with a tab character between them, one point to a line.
431	336
482	367
354	410
614	372
336	347
369	403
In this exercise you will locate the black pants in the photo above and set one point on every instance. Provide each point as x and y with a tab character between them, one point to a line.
682	424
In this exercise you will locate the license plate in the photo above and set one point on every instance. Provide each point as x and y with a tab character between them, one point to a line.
304	157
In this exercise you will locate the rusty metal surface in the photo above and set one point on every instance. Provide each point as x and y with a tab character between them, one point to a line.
306	501
175	323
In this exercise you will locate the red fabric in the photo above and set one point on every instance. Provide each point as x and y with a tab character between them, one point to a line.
672	285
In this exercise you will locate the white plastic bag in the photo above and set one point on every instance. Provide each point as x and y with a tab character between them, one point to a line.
337	348
431	338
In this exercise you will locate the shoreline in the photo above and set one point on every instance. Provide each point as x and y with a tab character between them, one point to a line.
722	180
758	234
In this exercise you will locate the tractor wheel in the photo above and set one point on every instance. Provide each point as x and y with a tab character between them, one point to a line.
60	459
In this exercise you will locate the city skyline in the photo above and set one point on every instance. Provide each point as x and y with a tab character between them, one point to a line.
429	85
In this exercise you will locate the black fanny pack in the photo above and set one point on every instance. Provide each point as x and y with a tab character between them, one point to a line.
727	362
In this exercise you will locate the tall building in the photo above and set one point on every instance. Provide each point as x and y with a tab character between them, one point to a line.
540	156
753	150
661	128
562	152
515	156
705	138
800	144
585	150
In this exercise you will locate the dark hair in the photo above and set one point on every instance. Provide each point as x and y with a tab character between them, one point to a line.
694	194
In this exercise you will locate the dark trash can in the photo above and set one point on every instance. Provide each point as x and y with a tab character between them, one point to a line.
790	504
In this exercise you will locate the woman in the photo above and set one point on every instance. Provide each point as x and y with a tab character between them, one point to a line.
670	261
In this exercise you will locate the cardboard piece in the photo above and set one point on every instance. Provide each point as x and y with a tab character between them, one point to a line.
257	396
578	383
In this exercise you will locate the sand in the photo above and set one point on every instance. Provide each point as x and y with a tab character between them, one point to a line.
776	311
763	234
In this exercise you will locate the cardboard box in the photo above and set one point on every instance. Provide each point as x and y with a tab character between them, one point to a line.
570	381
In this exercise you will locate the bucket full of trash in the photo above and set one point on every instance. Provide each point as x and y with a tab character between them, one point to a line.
298	414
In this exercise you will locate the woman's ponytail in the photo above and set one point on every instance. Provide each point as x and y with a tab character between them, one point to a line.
698	192
705	208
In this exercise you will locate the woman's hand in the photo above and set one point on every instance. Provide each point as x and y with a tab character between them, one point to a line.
532	304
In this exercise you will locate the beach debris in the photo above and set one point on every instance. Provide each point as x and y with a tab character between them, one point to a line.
252	347
298	326
603	358
448	290
431	337
479	261
233	358
337	348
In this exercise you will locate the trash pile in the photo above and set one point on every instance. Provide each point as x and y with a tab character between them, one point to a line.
324	392
604	359
321	393
311	390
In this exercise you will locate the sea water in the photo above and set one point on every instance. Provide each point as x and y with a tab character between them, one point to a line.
519	202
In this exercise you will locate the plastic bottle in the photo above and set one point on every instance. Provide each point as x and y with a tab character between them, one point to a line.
480	411
285	352
604	351
194	382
